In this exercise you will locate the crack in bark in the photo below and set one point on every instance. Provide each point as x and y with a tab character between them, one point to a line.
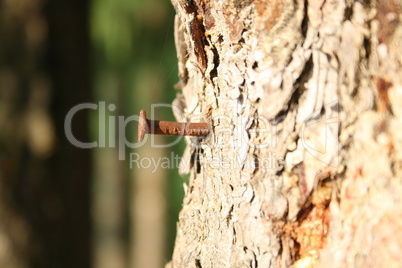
214	72
197	32
305	75
304	24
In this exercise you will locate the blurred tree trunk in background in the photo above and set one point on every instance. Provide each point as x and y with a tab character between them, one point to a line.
44	180
303	165
135	67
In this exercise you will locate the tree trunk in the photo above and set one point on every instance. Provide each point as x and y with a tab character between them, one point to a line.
44	180
302	166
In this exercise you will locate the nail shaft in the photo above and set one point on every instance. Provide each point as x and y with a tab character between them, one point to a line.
157	127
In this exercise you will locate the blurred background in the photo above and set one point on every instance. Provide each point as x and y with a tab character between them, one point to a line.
66	206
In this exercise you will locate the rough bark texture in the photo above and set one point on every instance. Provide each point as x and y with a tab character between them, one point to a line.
303	163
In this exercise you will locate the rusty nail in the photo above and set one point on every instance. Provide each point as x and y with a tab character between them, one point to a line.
157	127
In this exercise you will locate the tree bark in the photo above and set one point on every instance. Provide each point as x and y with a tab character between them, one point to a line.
302	166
